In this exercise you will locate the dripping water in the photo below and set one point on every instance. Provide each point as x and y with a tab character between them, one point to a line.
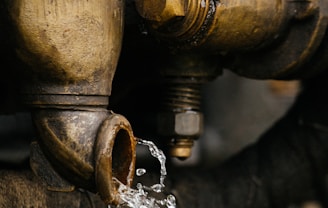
139	197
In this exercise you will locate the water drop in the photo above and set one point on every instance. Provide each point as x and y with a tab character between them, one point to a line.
170	201
157	188
140	171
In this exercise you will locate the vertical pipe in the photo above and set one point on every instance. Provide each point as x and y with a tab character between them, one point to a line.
71	49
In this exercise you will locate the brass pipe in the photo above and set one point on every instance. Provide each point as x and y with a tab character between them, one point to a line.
68	45
261	39
89	150
71	50
249	34
226	25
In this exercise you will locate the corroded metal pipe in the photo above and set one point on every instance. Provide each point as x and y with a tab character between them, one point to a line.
71	50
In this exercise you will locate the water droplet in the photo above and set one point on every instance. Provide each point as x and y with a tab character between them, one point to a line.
170	201
140	171
157	188
139	186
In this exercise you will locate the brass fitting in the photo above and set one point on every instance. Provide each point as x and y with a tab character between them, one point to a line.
253	34
84	149
180	120
194	15
160	11
181	148
71	49
183	128
226	25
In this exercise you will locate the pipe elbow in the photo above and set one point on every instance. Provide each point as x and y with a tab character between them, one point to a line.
85	149
71	50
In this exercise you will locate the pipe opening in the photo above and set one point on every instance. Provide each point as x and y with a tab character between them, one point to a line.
114	156
122	156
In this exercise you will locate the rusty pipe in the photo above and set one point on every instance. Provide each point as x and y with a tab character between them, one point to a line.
115	157
70	51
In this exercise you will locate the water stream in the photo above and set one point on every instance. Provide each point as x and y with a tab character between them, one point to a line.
139	197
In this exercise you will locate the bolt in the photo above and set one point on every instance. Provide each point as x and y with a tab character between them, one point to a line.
181	121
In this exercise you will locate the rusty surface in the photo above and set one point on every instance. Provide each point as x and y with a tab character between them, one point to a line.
115	157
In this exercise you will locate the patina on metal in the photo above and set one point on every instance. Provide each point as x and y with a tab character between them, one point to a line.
71	49
254	38
253	34
84	149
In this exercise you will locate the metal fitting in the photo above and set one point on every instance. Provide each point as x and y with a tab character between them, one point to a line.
181	148
186	124
160	11
80	149
180	119
71	49
183	128
261	30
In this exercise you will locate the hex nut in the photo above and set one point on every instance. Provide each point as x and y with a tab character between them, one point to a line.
188	123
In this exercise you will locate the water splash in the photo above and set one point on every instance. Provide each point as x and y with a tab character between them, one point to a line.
157	153
139	197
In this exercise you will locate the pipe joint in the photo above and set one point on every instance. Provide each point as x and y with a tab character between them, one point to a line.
84	149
